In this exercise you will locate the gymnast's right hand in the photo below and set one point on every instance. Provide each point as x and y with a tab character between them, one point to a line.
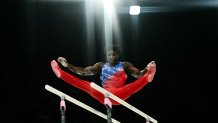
63	61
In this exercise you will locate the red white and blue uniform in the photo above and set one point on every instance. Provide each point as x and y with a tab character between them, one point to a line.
113	80
113	76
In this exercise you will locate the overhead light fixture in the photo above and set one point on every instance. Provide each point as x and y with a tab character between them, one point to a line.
134	10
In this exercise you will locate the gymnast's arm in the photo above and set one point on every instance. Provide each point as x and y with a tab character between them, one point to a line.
87	71
135	72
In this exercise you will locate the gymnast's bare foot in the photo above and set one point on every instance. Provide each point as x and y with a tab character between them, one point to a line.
151	71
56	68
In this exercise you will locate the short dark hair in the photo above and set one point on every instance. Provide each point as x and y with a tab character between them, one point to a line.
114	47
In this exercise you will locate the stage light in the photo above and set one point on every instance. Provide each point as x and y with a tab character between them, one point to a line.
134	10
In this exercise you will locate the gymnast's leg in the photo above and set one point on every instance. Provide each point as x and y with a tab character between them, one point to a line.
76	82
135	86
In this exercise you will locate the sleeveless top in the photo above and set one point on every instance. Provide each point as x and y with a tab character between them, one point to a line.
113	76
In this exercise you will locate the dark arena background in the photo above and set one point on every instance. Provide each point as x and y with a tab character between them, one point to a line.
180	36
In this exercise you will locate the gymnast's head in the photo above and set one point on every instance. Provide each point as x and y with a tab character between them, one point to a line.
112	53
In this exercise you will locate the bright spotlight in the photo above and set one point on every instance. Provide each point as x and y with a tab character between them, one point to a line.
134	10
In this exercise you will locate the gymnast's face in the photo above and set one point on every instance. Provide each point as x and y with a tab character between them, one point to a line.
112	57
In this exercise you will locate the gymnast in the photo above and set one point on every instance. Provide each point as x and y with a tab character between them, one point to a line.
112	75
